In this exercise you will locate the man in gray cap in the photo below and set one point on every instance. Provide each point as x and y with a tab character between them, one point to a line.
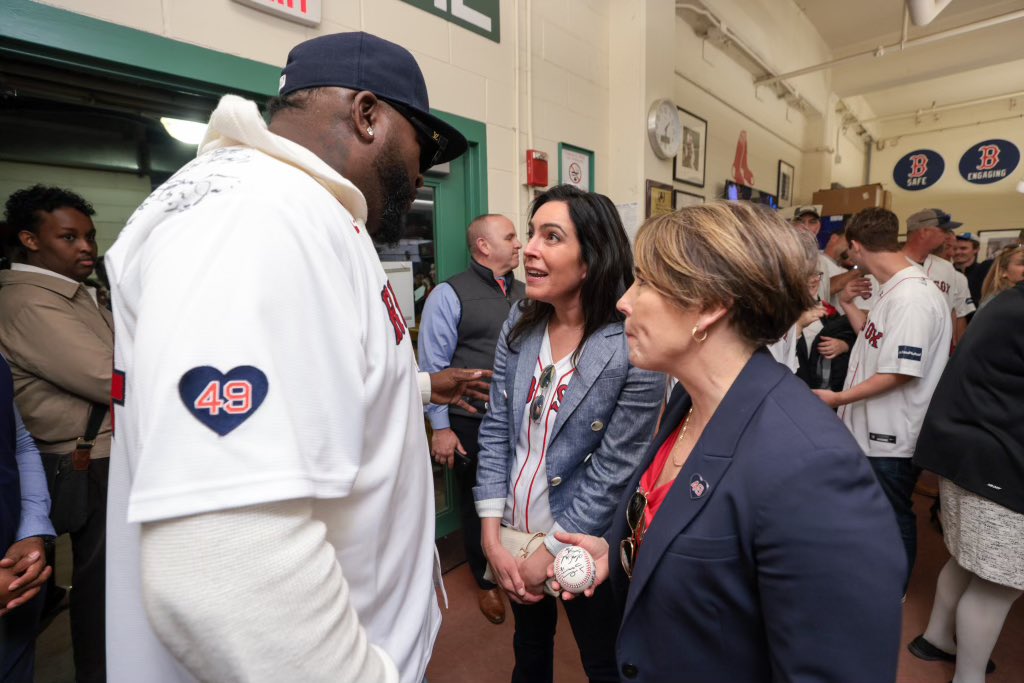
271	497
927	230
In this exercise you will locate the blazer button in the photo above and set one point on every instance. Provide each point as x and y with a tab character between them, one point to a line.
629	671
555	481
597	425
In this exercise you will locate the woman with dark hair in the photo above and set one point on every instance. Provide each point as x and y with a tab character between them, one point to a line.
569	420
755	543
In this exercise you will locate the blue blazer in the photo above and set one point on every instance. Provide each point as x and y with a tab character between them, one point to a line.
605	423
783	565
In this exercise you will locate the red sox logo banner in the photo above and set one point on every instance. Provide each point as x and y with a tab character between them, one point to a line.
918	170
989	161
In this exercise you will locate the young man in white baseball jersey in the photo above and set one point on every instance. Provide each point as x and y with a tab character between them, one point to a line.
271	502
901	349
926	231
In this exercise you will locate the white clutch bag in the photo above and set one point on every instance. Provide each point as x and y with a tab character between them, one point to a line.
520	544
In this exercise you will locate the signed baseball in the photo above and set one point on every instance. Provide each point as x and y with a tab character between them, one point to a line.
575	569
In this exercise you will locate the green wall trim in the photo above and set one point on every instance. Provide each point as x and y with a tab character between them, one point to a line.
451	252
55	35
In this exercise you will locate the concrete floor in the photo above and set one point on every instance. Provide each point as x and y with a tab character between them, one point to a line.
472	650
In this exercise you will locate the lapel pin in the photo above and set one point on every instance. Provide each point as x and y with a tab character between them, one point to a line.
698	486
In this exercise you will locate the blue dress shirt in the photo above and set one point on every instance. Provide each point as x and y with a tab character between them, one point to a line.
35	497
438	337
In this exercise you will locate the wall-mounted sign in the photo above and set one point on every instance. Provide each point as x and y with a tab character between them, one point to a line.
989	161
479	16
305	12
918	170
576	166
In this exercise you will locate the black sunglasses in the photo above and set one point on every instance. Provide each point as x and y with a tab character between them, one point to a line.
537	407
636	518
432	143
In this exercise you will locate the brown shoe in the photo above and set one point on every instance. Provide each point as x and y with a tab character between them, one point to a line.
492	605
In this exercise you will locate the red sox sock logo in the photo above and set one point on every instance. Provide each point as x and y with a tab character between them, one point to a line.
873	335
387	295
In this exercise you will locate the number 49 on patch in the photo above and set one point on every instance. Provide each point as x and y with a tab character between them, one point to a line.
223	400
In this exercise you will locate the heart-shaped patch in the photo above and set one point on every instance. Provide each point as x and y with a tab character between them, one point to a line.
223	400
698	486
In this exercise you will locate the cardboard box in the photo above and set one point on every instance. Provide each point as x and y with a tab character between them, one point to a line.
852	199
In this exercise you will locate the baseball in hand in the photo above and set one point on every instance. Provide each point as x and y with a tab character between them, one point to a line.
575	569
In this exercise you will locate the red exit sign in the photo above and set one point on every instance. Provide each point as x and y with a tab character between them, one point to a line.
305	12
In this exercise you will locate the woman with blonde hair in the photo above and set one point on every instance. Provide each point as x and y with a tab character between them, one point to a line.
1007	270
754	544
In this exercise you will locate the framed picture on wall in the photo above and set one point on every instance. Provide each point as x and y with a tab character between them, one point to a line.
659	199
994	241
687	199
784	190
576	166
689	165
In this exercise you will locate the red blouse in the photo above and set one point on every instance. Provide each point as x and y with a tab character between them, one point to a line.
655	496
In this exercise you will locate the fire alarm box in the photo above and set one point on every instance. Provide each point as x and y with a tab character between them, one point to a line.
536	168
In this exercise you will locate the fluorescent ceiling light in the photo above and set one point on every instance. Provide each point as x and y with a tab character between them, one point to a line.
189	132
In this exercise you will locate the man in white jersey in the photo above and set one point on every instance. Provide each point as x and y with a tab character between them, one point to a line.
901	349
271	498
926	232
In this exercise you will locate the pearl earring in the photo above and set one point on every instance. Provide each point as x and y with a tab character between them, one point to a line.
369	131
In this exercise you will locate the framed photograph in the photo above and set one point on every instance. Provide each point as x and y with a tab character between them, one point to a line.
576	166
993	241
689	165
659	199
784	190
686	199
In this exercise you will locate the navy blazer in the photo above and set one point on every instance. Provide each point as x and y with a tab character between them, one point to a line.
605	423
783	564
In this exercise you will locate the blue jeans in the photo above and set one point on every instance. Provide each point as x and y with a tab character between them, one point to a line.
898	476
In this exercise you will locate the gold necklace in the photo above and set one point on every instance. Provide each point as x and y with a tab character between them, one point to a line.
682	433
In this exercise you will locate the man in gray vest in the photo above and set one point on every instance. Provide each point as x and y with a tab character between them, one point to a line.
461	321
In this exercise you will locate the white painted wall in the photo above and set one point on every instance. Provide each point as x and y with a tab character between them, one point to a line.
715	87
114	195
581	95
980	207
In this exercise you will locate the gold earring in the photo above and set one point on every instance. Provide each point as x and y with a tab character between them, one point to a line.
693	333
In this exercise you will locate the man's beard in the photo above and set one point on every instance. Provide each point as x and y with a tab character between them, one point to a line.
397	190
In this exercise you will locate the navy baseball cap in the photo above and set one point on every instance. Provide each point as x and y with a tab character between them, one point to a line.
360	61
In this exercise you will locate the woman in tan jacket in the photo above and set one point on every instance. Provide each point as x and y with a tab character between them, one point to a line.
59	342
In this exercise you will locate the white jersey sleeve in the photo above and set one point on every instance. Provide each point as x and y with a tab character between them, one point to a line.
963	304
245	384
909	330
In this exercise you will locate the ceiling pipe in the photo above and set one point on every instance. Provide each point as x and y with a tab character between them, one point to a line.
881	50
749	52
922	12
946	107
881	143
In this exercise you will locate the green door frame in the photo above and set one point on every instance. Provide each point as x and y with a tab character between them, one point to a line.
30	30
